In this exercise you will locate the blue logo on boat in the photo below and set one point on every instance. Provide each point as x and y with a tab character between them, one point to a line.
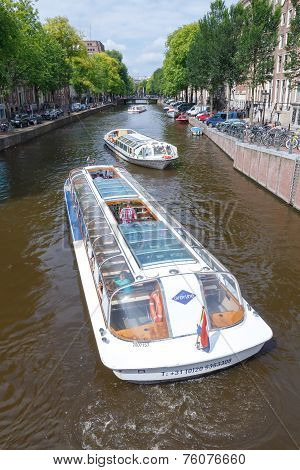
183	297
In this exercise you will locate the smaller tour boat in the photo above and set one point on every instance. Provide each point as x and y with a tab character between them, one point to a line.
137	109
140	149
173	113
196	131
182	118
162	307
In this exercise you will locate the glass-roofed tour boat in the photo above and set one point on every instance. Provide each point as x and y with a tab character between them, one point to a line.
140	149
162	307
137	109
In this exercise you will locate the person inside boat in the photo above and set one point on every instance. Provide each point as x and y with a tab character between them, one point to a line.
121	280
107	174
127	214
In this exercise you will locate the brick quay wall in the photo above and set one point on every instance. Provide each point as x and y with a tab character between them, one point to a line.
276	171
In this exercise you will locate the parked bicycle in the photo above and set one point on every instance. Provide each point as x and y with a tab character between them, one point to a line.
293	141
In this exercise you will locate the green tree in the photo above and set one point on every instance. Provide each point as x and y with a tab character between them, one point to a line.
67	36
293	47
9	46
211	61
258	42
155	83
123	70
175	76
29	54
198	59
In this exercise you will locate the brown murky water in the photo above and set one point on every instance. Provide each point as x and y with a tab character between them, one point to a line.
54	391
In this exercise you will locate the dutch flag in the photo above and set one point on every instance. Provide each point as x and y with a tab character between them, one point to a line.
203	338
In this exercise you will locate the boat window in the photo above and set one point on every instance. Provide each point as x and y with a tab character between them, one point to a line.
75	172
209	260
152	242
188	238
138	314
147	151
112	188
222	298
160	149
115	273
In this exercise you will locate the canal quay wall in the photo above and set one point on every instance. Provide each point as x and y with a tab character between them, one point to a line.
276	171
20	136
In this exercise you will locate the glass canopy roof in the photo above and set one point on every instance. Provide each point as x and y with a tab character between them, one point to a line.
133	140
114	188
153	243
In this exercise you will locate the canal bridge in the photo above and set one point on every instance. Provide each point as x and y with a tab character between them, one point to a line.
138	100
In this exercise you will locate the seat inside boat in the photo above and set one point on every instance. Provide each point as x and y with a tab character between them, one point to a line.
223	307
143	213
104	173
133	312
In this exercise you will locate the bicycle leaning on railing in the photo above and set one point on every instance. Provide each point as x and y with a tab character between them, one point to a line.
293	141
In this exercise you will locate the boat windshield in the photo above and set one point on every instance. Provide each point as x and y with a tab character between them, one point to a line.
138	313
222	298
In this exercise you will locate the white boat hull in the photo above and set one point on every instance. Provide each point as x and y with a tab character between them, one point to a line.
155	163
184	372
172	114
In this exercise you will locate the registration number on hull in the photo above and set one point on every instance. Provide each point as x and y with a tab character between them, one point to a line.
196	370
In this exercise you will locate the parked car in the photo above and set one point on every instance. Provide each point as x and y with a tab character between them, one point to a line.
184	107
50	114
203	116
75	107
20	120
60	111
35	119
220	117
194	110
4	126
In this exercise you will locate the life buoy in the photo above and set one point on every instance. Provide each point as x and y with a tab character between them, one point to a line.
167	157
155	306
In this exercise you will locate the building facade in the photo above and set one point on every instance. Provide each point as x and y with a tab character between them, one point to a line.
94	47
276	100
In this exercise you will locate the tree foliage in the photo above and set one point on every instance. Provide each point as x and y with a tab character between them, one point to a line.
175	76
155	83
127	81
98	73
53	55
258	41
67	36
211	60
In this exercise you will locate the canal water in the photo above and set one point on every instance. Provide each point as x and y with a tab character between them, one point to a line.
54	391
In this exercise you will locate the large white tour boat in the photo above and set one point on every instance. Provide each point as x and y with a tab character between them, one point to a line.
162	307
140	149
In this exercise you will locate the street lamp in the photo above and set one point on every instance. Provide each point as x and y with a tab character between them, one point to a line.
264	93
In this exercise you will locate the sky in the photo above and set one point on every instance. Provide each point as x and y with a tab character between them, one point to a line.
137	28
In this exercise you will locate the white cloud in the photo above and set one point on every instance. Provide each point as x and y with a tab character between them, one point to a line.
158	43
110	44
138	27
149	57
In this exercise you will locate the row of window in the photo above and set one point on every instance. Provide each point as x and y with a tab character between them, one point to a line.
123	146
296	116
286	18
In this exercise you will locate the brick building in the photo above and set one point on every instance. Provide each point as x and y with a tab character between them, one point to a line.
94	47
